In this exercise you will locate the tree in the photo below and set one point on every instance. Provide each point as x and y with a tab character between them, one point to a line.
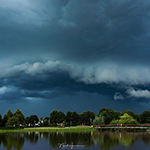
86	117
129	112
125	119
54	117
61	117
99	120
109	114
75	118
1	121
145	116
72	118
27	120
12	121
57	117
33	119
20	116
7	116
68	117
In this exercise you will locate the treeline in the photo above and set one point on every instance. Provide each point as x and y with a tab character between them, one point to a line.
105	116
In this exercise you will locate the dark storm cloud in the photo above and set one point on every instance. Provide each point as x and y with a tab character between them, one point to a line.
52	80
81	31
57	49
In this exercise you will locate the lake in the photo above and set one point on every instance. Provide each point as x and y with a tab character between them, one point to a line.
75	140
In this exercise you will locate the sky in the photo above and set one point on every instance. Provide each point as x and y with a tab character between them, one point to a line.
74	55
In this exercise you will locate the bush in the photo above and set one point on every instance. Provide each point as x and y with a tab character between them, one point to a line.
99	120
114	121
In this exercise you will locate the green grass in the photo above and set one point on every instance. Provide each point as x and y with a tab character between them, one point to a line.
50	129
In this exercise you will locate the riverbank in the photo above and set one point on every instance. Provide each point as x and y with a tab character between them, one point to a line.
51	129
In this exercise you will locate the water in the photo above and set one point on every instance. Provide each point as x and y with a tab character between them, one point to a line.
78	140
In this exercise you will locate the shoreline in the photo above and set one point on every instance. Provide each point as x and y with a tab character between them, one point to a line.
51	129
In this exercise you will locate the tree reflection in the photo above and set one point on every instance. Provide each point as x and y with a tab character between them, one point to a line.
10	141
103	139
32	137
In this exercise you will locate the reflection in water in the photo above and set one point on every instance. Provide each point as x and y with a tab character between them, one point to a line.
12	140
104	140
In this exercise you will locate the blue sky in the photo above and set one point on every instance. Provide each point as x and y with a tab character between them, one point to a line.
74	55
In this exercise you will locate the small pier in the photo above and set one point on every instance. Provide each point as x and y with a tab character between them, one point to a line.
122	127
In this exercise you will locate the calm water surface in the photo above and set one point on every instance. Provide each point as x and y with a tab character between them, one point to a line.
80	140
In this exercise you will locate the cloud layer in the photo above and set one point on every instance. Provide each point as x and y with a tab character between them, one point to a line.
58	49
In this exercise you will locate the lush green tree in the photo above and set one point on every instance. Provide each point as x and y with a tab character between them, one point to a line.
75	118
33	119
138	118
20	116
145	116
57	117
114	121
7	116
72	118
54	117
86	117
1	121
27	120
109	114
125	119
99	120
61	117
68	117
129	112
12	121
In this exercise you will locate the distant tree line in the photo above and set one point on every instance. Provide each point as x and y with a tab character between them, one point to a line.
105	116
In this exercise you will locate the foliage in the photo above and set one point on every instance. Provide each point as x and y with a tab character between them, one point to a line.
125	119
57	117
86	117
99	120
12	121
114	121
20	116
33	119
27	120
75	118
109	114
1	121
72	118
145	116
129	112
7	116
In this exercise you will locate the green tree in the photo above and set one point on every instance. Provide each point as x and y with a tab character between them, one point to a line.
20	116
129	112
7	116
27	120
86	117
75	118
61	117
125	119
99	120
1	121
68	117
12	121
54	117
145	116
109	114
33	119
57	117
72	118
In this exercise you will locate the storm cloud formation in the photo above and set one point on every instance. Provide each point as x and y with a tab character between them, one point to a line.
55	49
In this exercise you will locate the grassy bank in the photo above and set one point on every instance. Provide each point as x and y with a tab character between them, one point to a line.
51	129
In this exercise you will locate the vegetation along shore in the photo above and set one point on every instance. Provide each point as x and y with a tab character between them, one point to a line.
71	121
